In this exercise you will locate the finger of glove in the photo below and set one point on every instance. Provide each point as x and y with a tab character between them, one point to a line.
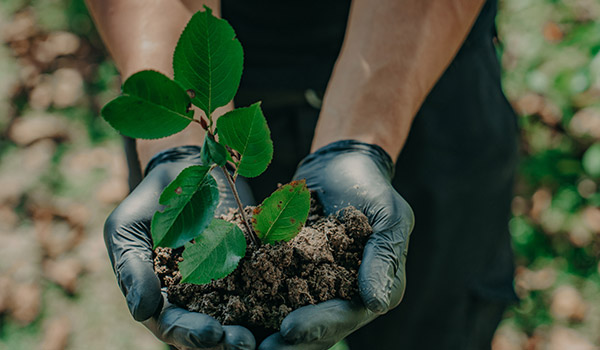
238	338
325	322
127	239
140	286
383	255
277	342
184	329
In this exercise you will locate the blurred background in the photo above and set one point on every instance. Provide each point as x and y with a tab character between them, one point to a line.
62	170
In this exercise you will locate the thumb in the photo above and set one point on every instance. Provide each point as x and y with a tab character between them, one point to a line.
140	285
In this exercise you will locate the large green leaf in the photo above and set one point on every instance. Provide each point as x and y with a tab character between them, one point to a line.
152	106
281	216
190	202
246	131
214	254
213	152
209	59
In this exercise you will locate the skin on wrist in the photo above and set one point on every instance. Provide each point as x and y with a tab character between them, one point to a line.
142	35
393	54
192	135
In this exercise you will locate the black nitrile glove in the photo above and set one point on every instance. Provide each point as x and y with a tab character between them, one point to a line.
129	243
351	173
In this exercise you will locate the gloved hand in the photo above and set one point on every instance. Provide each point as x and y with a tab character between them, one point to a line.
129	243
352	173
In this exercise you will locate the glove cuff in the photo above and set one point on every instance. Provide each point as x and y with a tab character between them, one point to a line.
176	154
379	155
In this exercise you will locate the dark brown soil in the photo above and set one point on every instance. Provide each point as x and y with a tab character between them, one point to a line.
319	264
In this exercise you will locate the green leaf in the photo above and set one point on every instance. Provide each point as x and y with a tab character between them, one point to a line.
190	202
152	106
208	59
281	216
591	160
213	152
214	254
246	131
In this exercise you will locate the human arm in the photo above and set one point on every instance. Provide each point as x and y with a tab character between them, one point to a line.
394	52
142	35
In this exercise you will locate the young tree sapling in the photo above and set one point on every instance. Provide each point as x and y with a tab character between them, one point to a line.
207	64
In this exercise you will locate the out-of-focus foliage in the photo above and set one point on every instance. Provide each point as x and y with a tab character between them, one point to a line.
62	170
551	58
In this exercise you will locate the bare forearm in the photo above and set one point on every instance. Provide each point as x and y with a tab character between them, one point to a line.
394	52
142	34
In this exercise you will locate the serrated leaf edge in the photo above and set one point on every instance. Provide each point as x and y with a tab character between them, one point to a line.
234	227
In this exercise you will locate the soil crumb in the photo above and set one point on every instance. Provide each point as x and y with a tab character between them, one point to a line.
319	264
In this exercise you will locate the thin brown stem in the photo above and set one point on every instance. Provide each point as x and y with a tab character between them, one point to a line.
253	236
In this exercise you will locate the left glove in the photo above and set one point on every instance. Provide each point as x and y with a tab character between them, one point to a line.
351	173
129	244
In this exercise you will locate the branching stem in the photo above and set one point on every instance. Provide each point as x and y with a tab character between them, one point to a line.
253	236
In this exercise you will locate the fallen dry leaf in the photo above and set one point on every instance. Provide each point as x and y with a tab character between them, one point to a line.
64	272
591	217
586	122
552	32
527	280
113	191
55	236
22	27
6	284
567	304
562	338
25	302
67	87
29	129
508	338
56	334
541	200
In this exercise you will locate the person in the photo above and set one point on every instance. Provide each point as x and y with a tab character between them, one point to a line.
412	105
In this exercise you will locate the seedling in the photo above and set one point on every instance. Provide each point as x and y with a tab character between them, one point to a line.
207	63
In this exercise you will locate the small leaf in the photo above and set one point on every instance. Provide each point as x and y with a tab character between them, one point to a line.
213	152
152	106
591	160
281	216
214	254
190	200
208	60
246	131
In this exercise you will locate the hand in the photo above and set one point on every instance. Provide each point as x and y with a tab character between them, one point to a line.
129	243
351	173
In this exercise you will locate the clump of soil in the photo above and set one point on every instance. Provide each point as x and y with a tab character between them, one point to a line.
319	264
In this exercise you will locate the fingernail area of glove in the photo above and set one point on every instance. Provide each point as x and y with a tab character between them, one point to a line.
376	303
238	338
375	299
140	308
294	334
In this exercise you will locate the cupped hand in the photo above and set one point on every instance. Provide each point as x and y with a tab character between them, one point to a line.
129	244
351	173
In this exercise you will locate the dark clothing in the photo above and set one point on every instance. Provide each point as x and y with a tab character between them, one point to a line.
456	169
288	44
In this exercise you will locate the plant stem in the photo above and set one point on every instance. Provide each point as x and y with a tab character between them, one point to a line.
253	236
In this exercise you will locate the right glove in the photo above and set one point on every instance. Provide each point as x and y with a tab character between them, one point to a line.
129	244
352	173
